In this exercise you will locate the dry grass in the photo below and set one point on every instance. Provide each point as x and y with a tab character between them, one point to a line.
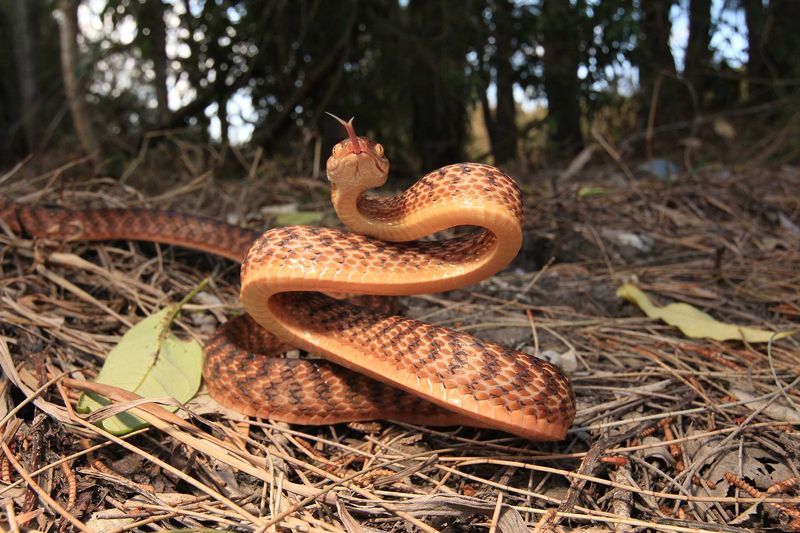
672	434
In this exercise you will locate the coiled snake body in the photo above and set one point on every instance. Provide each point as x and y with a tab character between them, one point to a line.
288	272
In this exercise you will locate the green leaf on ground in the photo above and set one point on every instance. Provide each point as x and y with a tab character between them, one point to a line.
299	218
152	362
588	190
695	323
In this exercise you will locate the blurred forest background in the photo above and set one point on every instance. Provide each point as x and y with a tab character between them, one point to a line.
527	83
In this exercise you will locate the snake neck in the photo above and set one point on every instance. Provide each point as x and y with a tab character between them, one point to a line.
365	214
466	194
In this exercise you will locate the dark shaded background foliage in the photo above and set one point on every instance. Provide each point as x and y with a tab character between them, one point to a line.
414	73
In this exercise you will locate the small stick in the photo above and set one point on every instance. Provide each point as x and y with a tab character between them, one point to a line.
72	484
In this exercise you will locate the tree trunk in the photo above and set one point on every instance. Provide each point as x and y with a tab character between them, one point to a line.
784	43
503	127
222	115
438	90
698	51
560	40
757	71
68	35
655	51
26	68
154	20
657	68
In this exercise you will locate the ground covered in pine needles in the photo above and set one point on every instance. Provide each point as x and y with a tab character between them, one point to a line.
672	433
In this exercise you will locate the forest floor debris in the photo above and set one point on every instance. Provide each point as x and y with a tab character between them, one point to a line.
672	433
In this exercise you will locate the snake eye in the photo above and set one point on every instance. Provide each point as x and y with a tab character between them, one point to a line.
379	150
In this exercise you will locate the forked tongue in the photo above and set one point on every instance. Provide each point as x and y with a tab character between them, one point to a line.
351	132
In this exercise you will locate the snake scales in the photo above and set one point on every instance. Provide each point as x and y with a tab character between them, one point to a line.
375	365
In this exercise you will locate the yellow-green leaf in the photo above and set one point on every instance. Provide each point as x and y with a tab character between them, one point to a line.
298	218
695	323
152	362
589	190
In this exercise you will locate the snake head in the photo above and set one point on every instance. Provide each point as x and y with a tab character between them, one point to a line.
357	161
